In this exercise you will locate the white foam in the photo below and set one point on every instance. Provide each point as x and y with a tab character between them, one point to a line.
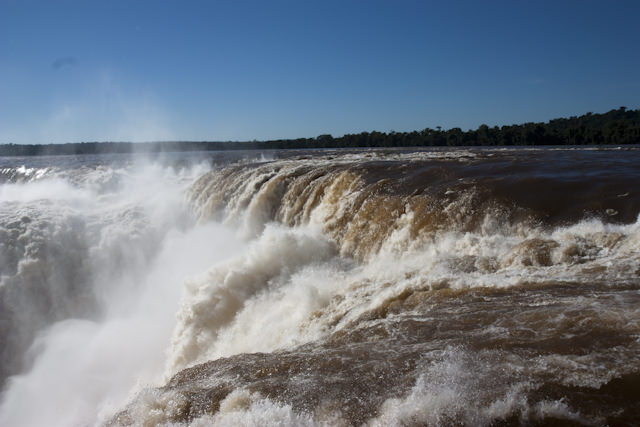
214	300
138	248
243	408
239	408
453	390
277	288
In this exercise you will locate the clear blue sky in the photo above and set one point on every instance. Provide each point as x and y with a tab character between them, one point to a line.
240	70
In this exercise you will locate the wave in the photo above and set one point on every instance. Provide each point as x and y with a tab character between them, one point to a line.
368	288
80	286
398	203
525	295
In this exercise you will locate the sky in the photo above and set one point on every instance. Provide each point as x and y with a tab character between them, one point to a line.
89	70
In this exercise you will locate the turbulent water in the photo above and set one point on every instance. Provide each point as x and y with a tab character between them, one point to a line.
385	287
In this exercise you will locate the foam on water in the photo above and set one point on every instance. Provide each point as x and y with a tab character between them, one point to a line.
213	301
107	270
455	305
451	391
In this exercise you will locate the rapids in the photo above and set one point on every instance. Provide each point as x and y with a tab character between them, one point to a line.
323	287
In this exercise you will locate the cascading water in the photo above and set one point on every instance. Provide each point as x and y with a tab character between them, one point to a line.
392	287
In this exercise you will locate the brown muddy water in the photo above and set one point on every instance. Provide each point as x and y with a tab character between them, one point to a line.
326	287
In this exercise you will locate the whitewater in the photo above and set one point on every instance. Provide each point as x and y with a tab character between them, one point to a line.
362	287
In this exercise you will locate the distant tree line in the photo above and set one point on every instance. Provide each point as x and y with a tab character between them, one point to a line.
615	127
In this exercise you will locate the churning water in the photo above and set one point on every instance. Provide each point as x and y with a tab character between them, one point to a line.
372	287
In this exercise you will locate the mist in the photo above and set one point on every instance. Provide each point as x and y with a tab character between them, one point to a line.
302	289
86	334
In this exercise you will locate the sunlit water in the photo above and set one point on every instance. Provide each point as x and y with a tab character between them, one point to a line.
382	287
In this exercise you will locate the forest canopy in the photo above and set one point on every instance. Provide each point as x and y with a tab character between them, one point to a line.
616	127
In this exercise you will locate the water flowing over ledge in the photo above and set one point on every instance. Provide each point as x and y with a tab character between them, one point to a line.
368	203
474	287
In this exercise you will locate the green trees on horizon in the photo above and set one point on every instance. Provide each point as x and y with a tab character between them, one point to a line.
616	127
